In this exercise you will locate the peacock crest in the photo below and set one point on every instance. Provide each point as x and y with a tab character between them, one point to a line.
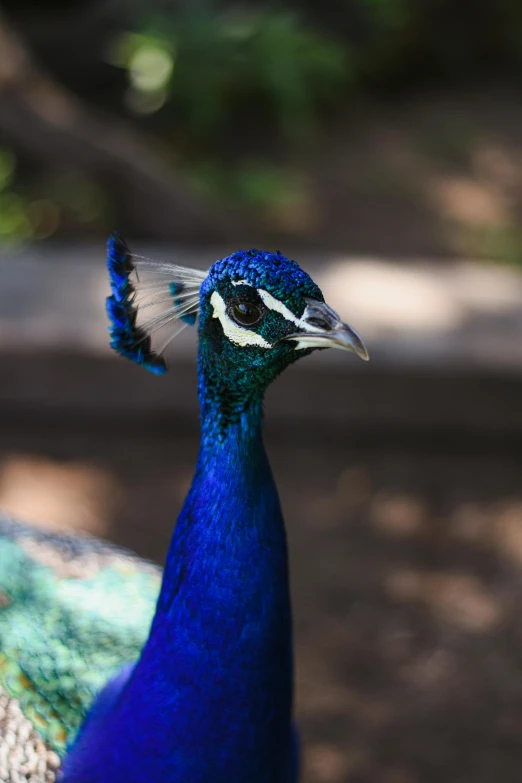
148	296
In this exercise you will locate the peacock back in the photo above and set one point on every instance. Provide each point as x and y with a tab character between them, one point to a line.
73	610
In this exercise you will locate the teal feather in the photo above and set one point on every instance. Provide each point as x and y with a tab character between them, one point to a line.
72	611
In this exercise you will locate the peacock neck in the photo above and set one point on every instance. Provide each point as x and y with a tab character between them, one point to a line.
219	656
228	552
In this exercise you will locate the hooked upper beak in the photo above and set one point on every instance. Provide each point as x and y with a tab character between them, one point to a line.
322	328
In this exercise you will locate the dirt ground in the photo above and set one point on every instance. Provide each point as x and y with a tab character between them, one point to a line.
406	574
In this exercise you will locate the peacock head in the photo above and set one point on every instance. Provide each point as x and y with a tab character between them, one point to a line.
258	312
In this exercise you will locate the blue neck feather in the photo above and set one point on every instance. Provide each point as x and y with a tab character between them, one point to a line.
210	699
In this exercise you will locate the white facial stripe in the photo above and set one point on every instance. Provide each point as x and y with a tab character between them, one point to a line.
235	333
240	282
309	341
274	304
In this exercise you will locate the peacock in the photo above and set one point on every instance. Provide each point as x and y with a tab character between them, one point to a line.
113	673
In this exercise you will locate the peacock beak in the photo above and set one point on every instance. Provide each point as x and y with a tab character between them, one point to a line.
322	328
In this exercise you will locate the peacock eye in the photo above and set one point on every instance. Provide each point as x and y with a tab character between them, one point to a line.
244	313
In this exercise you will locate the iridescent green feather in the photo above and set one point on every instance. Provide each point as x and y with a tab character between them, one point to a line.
72	611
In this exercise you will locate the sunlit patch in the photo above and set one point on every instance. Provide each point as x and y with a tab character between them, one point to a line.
327	763
457	599
508	530
379	296
58	495
468	200
398	514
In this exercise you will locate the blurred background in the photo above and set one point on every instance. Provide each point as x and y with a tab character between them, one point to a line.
378	142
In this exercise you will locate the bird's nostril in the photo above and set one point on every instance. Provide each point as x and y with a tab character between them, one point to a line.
320	323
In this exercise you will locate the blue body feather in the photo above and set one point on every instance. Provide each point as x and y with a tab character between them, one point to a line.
210	699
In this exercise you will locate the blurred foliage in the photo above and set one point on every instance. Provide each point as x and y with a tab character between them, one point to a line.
255	182
407	42
208	61
230	75
14	219
212	66
207	75
64	201
231	95
501	242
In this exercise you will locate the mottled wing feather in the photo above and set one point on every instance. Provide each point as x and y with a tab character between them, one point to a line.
72	611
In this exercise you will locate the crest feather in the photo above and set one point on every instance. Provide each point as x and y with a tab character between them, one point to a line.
169	292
